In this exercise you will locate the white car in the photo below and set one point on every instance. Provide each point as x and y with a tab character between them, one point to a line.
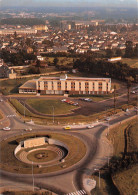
6	128
63	100
107	119
90	126
29	129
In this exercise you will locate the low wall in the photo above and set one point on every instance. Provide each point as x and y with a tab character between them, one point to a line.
58	143
17	149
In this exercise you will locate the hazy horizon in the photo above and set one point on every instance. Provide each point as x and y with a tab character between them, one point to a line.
69	3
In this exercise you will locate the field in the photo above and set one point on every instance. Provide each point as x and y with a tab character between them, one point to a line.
10	86
133	63
61	60
50	106
1	116
125	179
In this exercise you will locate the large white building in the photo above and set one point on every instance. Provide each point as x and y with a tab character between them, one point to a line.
18	31
67	85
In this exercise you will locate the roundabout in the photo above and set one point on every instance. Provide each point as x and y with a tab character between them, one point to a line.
49	152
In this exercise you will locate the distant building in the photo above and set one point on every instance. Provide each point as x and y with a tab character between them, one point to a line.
12	74
40	58
30	50
18	31
1	62
41	27
114	59
67	85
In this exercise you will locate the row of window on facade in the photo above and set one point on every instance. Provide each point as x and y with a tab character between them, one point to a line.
27	90
72	84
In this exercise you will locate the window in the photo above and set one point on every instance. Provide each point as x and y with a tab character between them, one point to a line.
72	85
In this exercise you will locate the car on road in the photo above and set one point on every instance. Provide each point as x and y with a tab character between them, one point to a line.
1	100
107	119
67	128
6	128
28	129
133	92
90	126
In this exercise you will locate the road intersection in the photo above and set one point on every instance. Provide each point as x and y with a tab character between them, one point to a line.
99	151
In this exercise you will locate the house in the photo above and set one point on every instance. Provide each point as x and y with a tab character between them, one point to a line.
4	71
40	58
1	62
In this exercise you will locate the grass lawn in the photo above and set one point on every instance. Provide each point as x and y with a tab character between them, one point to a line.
20	108
126	180
61	60
133	63
1	116
48	120
50	106
76	148
50	155
11	85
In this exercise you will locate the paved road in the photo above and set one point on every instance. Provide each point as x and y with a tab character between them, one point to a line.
71	179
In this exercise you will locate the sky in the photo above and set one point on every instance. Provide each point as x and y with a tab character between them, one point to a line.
70	3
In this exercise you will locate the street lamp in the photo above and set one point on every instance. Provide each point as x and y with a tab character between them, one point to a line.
99	175
32	176
108	127
53	113
24	109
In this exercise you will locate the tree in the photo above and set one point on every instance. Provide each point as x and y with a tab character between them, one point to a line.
28	41
136	51
109	53
128	90
38	63
55	61
114	98
129	53
15	34
118	52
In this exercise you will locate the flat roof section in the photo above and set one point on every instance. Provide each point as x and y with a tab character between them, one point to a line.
74	78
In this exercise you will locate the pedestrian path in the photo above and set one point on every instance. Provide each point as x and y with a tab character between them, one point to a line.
80	192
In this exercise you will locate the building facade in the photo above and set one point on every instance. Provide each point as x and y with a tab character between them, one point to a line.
18	31
69	85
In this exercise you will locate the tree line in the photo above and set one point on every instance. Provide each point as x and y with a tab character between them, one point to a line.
17	59
104	68
23	21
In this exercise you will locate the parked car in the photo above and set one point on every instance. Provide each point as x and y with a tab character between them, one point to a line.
6	128
88	100
63	100
76	104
